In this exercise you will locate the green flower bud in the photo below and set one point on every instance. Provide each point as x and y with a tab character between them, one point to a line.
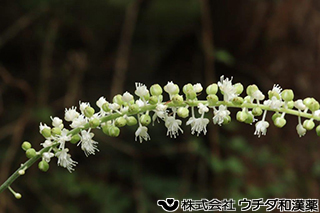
46	132
153	100
249	120
191	95
313	105
183	112
307	101
212	99
146	97
105	128
242	116
17	195
186	88
308	124
30	153
114	131
257	111
26	145
56	131
290	104
43	166
88	111
156	90
75	139
212	89
131	121
318	130
247	99
145	119
133	109
287	95
118	99
226	120
239	88
105	107
251	89
120	122
237	101
280	122
94	123
177	99
275	116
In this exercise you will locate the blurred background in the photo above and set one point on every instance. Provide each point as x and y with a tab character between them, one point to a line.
54	53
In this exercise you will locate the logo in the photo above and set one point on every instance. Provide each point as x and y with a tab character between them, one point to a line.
169	205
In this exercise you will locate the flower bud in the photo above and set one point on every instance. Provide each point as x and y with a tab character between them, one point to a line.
177	99
251	89
30	153
287	95
212	89
190	95
308	124
105	107
299	104
239	88
156	90
290	104
275	116
26	145
171	88
118	99
313	105
153	100
127	97
120	122
186	88
212	99
183	112
46	132
226	120
131	121
94	123
307	101
43	166
75	139
55	131
145	119
237	101
242	116
88	112
280	122
257	111
111	130
133	109
197	87
318	130
249	120
300	130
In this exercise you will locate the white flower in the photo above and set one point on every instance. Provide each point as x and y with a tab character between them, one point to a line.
299	104
258	95
161	111
64	160
78	122
57	122
101	101
46	143
87	144
63	138
197	88
42	127
127	97
114	106
301	130
171	88
273	103
140	103
46	156
83	106
141	90
228	90
71	114
142	133
198	125
220	115
202	108
261	128
276	88
173	126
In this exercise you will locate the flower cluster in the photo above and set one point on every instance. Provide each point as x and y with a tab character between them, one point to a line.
149	107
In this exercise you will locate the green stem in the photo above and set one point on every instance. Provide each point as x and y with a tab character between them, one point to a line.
31	161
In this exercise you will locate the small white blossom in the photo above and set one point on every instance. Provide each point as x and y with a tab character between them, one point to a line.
127	97
202	108
57	122
142	133
78	122
170	88
140	103
63	138
197	88
64	160
71	114
261	128
101	101
173	126
273	103
220	115
258	95
198	125
316	113
141	90
88	145
301	130
161	111
277	88
46	143
114	106
228	90
46	156
299	104
83	106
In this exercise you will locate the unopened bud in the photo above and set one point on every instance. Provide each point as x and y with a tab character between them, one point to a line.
183	112
177	99
30	153
133	109
280	122
145	119
308	124
131	121
239	88
88	112
75	139
257	111
43	166
287	95
212	89
156	90
242	116
26	145
94	123
120	122
212	100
